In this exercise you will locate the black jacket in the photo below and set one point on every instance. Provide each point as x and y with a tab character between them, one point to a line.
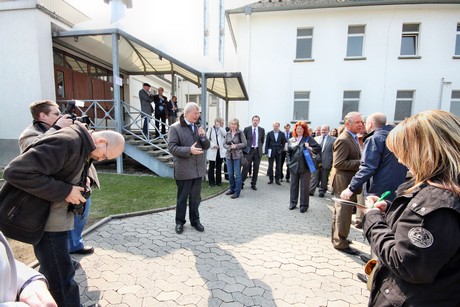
417	243
297	164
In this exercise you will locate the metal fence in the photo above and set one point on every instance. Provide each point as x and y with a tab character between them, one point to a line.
100	115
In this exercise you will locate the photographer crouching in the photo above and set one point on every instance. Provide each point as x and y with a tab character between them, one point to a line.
48	119
52	167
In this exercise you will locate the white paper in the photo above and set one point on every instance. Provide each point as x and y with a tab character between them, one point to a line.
269	153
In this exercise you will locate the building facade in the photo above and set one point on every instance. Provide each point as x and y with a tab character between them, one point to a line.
318	60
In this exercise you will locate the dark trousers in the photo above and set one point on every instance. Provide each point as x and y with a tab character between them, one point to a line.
288	172
52	253
217	167
160	117
300	183
188	190
320	178
277	160
145	127
254	160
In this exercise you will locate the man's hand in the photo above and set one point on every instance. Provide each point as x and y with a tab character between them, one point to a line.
36	294
75	196
346	194
195	150
64	121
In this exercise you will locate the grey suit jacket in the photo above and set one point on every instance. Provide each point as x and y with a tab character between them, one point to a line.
146	102
260	140
326	150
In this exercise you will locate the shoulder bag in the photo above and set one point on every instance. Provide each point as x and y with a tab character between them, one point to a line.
23	216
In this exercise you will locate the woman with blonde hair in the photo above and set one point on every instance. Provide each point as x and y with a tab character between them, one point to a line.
300	173
235	141
417	237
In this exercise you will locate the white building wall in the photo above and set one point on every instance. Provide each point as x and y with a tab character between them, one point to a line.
26	66
266	52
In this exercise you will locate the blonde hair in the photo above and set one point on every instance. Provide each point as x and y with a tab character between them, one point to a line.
235	121
428	144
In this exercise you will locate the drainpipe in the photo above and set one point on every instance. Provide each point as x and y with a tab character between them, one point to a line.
443	83
205	27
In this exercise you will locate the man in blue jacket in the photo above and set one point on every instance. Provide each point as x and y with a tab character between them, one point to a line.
379	170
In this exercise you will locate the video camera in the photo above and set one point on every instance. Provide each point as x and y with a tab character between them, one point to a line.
70	109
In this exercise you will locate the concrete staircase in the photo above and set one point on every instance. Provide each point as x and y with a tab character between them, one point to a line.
153	153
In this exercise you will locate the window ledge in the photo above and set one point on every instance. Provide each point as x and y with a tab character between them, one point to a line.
456	57
303	60
356	58
300	120
409	57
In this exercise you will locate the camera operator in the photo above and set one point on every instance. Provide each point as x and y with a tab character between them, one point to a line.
51	170
48	119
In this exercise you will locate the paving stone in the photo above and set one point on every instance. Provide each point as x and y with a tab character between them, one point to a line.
254	252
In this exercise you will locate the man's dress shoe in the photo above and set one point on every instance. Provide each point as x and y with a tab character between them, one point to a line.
179	228
278	183
198	225
254	187
84	251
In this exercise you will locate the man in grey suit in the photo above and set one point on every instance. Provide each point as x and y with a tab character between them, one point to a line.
146	98
187	143
255	137
320	177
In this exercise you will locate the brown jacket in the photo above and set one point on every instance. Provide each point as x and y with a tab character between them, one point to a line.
346	159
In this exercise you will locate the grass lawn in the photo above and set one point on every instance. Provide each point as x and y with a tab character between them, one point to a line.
131	193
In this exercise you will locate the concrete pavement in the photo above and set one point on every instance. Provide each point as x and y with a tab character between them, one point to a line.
254	252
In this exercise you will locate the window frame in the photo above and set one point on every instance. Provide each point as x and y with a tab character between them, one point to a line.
306	107
416	40
399	100
455	99
306	38
457	43
346	99
350	36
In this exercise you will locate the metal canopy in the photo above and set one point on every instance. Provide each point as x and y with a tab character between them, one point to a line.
139	58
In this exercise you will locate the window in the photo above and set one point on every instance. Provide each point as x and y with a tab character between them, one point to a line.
213	100
403	107
194	98
457	41
304	43
355	41
301	105
455	103
409	40
350	102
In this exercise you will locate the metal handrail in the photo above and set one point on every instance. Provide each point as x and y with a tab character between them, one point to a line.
101	115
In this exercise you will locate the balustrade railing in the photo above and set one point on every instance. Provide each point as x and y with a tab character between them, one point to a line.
100	115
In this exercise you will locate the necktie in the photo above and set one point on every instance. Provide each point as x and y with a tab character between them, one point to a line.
192	127
322	143
254	137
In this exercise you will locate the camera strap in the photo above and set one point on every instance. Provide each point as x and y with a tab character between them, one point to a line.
84	174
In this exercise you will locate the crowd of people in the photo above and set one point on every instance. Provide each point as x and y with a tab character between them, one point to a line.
414	233
161	110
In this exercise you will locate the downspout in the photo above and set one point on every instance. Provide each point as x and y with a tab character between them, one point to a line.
205	27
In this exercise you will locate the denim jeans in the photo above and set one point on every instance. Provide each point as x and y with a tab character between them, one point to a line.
75	238
55	263
234	175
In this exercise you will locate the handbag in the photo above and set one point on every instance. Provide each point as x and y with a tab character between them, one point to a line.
23	216
244	161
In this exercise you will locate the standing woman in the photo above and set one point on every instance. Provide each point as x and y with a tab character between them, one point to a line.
417	237
235	141
300	173
216	153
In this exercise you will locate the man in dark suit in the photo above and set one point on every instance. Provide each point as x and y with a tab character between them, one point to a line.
320	177
346	160
287	135
273	149
255	137
146	99
160	111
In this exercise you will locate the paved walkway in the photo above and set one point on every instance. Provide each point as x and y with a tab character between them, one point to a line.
254	252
